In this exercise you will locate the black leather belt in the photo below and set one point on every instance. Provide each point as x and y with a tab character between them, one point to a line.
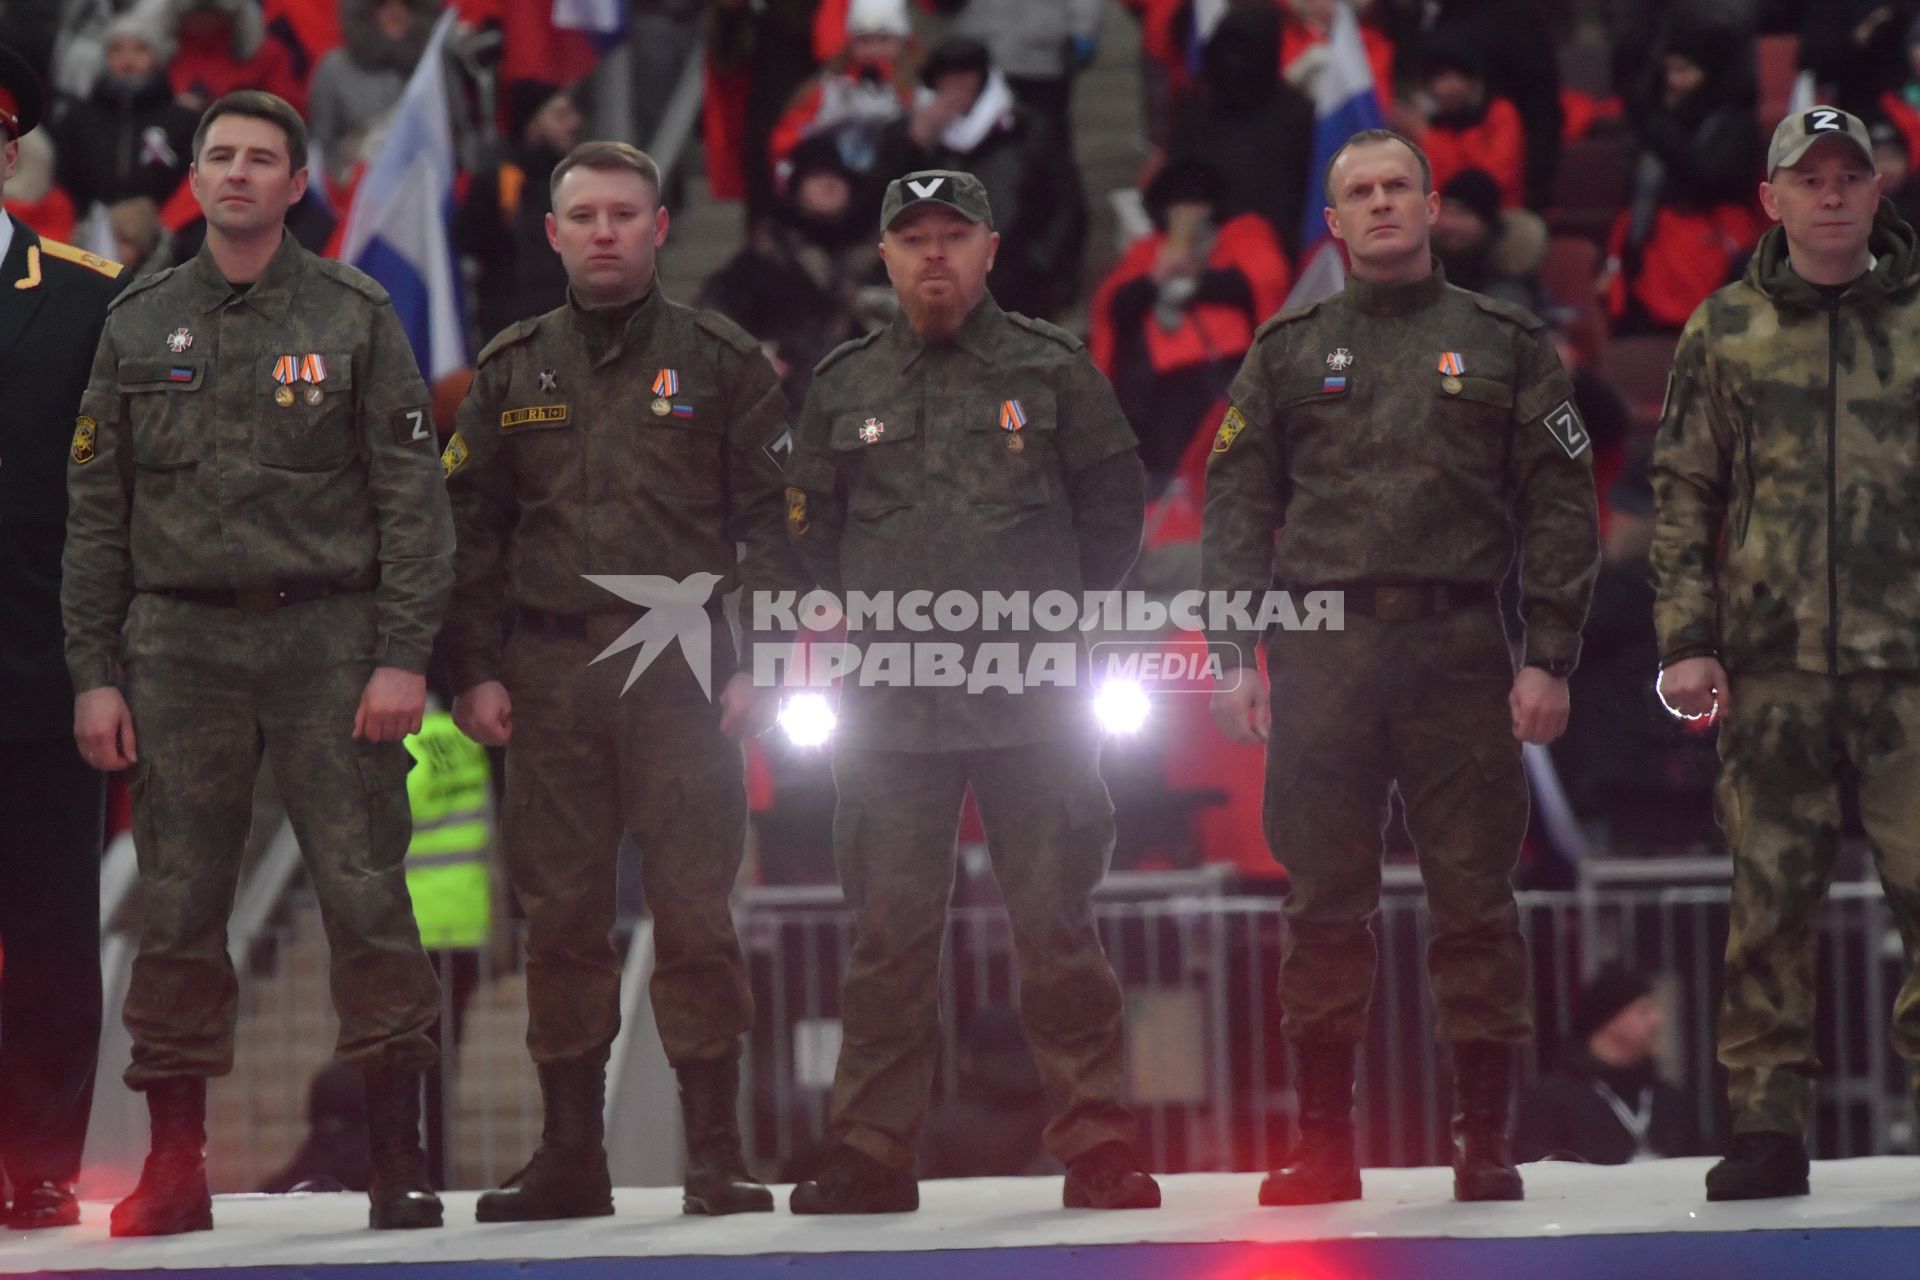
261	599
1406	601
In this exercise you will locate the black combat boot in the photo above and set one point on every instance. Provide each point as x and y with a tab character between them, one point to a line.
1109	1176
851	1181
717	1178
567	1177
1760	1166
172	1196
1483	1074
399	1196
1322	1167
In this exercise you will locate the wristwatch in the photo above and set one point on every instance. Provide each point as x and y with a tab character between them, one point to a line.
1558	668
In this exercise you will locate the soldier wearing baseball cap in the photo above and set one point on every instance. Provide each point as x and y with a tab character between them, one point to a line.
1800	132
963	193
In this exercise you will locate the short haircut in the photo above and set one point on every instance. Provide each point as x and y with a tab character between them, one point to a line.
604	156
1366	137
258	105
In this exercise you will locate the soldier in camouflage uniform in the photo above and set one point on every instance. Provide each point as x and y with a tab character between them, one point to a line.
622	434
1400	431
259	537
966	449
1787	570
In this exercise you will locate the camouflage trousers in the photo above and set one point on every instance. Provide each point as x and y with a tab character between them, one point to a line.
585	764
1420	704
1049	825
213	691
1789	742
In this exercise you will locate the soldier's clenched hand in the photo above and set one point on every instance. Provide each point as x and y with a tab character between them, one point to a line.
485	713
1695	687
1539	706
1242	712
103	729
392	706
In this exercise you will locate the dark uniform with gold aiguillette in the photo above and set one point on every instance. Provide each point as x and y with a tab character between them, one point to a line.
1402	435
257	524
53	301
644	440
996	461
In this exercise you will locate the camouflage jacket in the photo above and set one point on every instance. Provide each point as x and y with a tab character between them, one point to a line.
1399	434
656	458
1787	470
998	461
233	441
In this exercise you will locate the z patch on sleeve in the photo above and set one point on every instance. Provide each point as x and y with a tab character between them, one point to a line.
411	426
83	433
1563	421
1230	428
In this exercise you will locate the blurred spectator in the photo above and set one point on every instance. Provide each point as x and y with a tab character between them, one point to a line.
1170	324
502	224
1514	44
660	36
1857	50
128	137
1605	1103
223	47
333	1155
359	83
80	48
1893	159
1303	48
993	1127
1691	217
1467	126
808	278
1239	117
137	236
1486	249
864	90
34	197
758	58
965	117
1901	104
1038	47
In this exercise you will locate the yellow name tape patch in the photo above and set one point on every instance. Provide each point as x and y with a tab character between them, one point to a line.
538	415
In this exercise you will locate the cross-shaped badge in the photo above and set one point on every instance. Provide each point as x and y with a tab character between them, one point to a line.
179	340
549	381
870	431
1339	359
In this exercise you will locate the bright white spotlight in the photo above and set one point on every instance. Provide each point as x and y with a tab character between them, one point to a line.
808	719
1122	707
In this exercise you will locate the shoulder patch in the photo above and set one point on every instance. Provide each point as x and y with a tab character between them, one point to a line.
1508	311
91	261
846	349
352	277
727	331
1047	330
518	331
1288	316
141	285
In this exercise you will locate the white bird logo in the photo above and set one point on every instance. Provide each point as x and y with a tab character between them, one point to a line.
676	610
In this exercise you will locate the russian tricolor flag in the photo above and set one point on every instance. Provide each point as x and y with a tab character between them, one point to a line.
1344	104
602	21
397	226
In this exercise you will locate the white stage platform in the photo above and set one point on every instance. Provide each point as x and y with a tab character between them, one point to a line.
1862	1220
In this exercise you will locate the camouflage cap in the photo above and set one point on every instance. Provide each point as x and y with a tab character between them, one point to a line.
961	192
1797	134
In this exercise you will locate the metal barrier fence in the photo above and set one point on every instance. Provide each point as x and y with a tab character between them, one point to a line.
1206	1067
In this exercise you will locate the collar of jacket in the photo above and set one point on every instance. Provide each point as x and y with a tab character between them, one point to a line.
1397	299
272	293
1896	265
975	336
639	325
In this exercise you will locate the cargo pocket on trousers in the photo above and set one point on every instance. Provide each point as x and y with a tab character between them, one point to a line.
383	770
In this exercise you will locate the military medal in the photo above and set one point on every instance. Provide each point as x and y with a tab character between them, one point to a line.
1012	418
286	373
1450	385
1339	360
871	431
179	340
283	396
1451	367
666	384
662	407
315	395
313	371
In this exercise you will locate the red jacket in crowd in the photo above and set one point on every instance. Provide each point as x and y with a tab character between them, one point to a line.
1497	144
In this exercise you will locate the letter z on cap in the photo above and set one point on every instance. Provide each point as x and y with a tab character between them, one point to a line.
1799	132
960	192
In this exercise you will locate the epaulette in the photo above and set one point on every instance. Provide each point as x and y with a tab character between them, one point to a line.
1508	311
141	285
518	331
1047	330
727	331
845	349
91	261
354	278
1288	316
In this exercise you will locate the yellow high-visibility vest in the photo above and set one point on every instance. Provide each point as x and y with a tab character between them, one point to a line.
446	859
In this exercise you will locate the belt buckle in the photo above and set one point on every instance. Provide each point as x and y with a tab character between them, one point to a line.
1399	604
258	599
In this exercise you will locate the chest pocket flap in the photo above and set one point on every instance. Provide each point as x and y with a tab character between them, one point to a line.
162	375
305	435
